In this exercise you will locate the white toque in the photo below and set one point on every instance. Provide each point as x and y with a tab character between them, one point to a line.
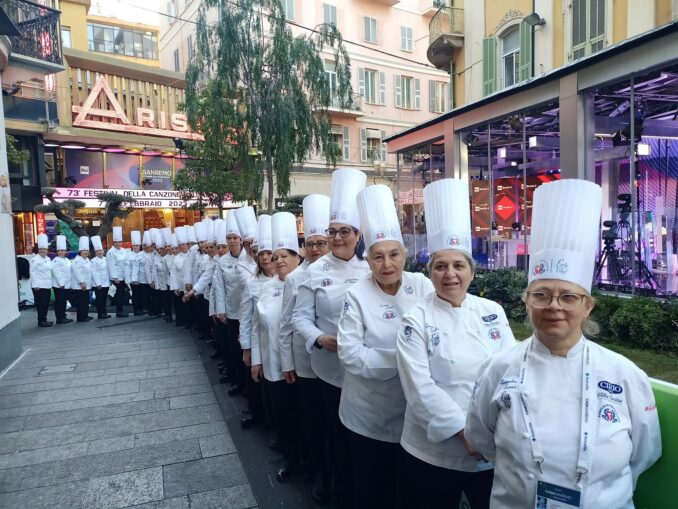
284	231
378	216
264	239
61	243
180	232
190	234
448	215
117	234
135	236
346	184
316	215
83	244
232	224
247	222
96	242
565	228
43	241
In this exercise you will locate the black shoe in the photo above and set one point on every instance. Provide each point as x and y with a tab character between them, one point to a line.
209	341
319	491
122	315
86	319
225	380
221	364
103	317
224	372
235	390
248	421
44	324
286	470
63	321
139	313
215	355
273	444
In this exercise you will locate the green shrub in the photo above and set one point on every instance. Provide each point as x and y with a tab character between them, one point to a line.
606	307
645	323
506	287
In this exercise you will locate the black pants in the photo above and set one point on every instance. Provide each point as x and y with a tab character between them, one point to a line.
154	296
313	423
119	299
41	298
81	300
284	403
101	294
178	307
203	308
137	297
435	487
190	313
60	297
378	472
166	300
341	461
237	370
145	296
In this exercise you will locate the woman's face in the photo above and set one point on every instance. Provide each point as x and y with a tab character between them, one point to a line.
222	249
451	275
265	259
341	247
553	322
285	262
313	248
184	248
234	244
387	262
136	248
99	253
61	253
84	253
43	251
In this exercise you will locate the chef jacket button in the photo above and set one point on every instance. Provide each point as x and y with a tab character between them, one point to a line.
530	476
526	394
526	435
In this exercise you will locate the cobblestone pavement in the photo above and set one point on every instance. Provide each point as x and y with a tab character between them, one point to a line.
116	413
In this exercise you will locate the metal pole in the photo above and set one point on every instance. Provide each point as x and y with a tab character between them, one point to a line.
632	184
490	253
524	226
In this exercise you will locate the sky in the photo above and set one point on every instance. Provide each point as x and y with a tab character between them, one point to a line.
128	10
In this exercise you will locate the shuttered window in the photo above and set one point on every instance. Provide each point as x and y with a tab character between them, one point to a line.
489	65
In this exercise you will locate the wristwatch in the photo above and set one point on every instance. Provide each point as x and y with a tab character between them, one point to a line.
317	345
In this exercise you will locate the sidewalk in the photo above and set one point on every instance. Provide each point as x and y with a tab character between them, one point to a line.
116	413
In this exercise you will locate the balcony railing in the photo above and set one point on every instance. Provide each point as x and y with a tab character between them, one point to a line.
39	27
447	21
357	104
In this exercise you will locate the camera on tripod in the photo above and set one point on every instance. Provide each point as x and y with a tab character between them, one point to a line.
624	207
610	235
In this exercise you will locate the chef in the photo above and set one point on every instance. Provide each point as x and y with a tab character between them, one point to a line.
116	257
41	280
176	280
132	273
442	342
81	280
204	274
145	274
159	272
168	259
100	278
319	304
567	422
295	359
61	280
196	237
372	401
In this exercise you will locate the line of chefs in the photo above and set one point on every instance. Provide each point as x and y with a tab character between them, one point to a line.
367	372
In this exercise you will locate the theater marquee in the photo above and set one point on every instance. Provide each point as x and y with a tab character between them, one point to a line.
146	198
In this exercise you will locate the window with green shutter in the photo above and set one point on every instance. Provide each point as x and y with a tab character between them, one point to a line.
489	65
525	69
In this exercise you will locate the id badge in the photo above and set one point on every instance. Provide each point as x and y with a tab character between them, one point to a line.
552	496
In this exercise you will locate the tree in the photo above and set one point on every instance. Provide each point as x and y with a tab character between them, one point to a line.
116	206
273	88
15	155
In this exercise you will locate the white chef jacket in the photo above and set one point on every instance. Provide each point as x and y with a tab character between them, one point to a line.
234	272
293	353
440	350
319	304
159	272
205	274
626	439
61	272
212	293
168	261
148	262
193	251
100	272
266	329
132	267
116	259
41	272
372	399
81	272
176	279
250	297
141	262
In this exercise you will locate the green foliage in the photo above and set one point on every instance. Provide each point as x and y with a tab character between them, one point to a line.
646	323
15	155
115	198
268	87
606	306
504	286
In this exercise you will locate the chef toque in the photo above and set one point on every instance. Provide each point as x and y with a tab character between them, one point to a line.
448	216
247	222
96	242
220	232
148	238
136	238
346	184
284	231
232	224
43	241
200	231
190	234
166	235
117	234
83	244
378	216
316	215
157	238
61	243
211	230
180	232
564	235
264	238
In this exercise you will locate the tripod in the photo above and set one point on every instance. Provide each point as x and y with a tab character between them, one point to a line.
609	255
644	275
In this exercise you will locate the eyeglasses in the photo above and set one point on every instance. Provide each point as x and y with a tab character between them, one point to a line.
319	244
567	301
343	232
247	243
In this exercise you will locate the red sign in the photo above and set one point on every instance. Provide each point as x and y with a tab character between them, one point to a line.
40	222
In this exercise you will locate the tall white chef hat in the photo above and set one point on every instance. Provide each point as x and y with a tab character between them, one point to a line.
43	241
117	234
200	231
136	238
61	243
180	232
157	238
247	222
173	240
210	229
448	216
220	232
346	184
190	234
264	238
378	216
232	224
565	224
166	235
284	231
316	215
96	242
148	238
83	244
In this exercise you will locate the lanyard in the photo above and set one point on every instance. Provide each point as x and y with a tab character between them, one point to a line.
587	396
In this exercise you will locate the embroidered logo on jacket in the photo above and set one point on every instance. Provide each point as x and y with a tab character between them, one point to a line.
407	332
325	267
390	315
326	282
495	334
608	413
489	318
610	387
408	290
347	309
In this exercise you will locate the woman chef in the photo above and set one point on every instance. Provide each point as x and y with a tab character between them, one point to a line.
567	422
372	401
442	343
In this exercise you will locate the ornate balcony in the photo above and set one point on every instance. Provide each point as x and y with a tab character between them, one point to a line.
40	41
354	111
446	35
